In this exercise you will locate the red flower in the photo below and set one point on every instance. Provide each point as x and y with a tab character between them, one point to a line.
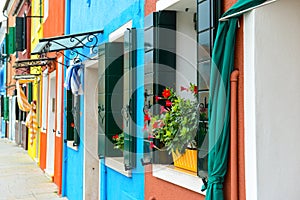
146	117
195	89
168	103
157	98
152	145
183	88
115	137
72	125
166	93
162	109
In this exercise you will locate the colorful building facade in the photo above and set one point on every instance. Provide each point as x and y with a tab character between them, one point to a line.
123	54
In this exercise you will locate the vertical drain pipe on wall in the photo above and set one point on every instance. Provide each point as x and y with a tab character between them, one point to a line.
233	134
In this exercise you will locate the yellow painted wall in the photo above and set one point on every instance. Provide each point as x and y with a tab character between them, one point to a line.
36	34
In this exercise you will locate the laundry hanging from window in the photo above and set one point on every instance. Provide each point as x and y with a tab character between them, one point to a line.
72	81
24	105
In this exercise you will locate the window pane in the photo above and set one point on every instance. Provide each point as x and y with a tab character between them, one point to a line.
203	16
204	46
203	75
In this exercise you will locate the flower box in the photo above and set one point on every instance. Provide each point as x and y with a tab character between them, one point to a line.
187	160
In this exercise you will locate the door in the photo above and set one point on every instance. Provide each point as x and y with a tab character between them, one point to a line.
51	125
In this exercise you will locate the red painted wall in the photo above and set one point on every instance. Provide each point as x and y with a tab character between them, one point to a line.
54	26
156	189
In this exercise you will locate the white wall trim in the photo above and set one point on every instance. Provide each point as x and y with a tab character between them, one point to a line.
249	106
185	180
163	4
117	164
120	31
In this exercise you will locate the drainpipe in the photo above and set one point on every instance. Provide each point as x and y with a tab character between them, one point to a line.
233	134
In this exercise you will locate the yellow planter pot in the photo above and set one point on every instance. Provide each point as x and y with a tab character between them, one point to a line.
187	161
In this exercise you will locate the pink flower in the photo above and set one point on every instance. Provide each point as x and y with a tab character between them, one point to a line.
152	145
145	127
158	124
150	137
162	109
183	88
157	98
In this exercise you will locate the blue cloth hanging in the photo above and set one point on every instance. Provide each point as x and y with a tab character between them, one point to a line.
72	81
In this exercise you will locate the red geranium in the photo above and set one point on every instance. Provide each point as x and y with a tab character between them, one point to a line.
146	117
168	103
166	93
115	136
195	89
72	125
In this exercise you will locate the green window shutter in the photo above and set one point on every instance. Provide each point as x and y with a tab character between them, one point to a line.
76	115
29	92
11	47
129	99
6	108
17	110
160	62
70	118
2	106
110	96
20	34
208	14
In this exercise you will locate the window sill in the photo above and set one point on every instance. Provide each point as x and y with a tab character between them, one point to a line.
180	177
117	164
71	146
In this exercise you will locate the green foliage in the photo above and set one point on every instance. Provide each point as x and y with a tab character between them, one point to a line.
177	125
118	140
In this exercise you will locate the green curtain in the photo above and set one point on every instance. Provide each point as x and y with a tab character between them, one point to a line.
219	105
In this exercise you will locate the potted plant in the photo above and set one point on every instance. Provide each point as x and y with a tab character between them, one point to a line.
176	127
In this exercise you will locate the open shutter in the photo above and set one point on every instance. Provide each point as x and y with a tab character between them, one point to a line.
2	106
6	108
20	34
208	14
70	118
76	115
129	99
160	62
17	110
10	42
110	97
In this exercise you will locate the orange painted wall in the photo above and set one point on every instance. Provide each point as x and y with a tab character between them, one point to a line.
153	186
43	150
54	26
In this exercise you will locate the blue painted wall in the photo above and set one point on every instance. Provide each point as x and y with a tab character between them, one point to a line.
91	15
2	87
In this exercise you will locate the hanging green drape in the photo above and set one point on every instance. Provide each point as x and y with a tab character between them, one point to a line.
219	105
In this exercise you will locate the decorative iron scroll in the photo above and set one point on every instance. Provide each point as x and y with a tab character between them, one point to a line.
33	62
72	42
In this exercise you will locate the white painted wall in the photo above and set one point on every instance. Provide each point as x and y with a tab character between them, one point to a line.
91	161
186	50
272	96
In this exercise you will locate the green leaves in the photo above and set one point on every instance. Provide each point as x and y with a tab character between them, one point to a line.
180	121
